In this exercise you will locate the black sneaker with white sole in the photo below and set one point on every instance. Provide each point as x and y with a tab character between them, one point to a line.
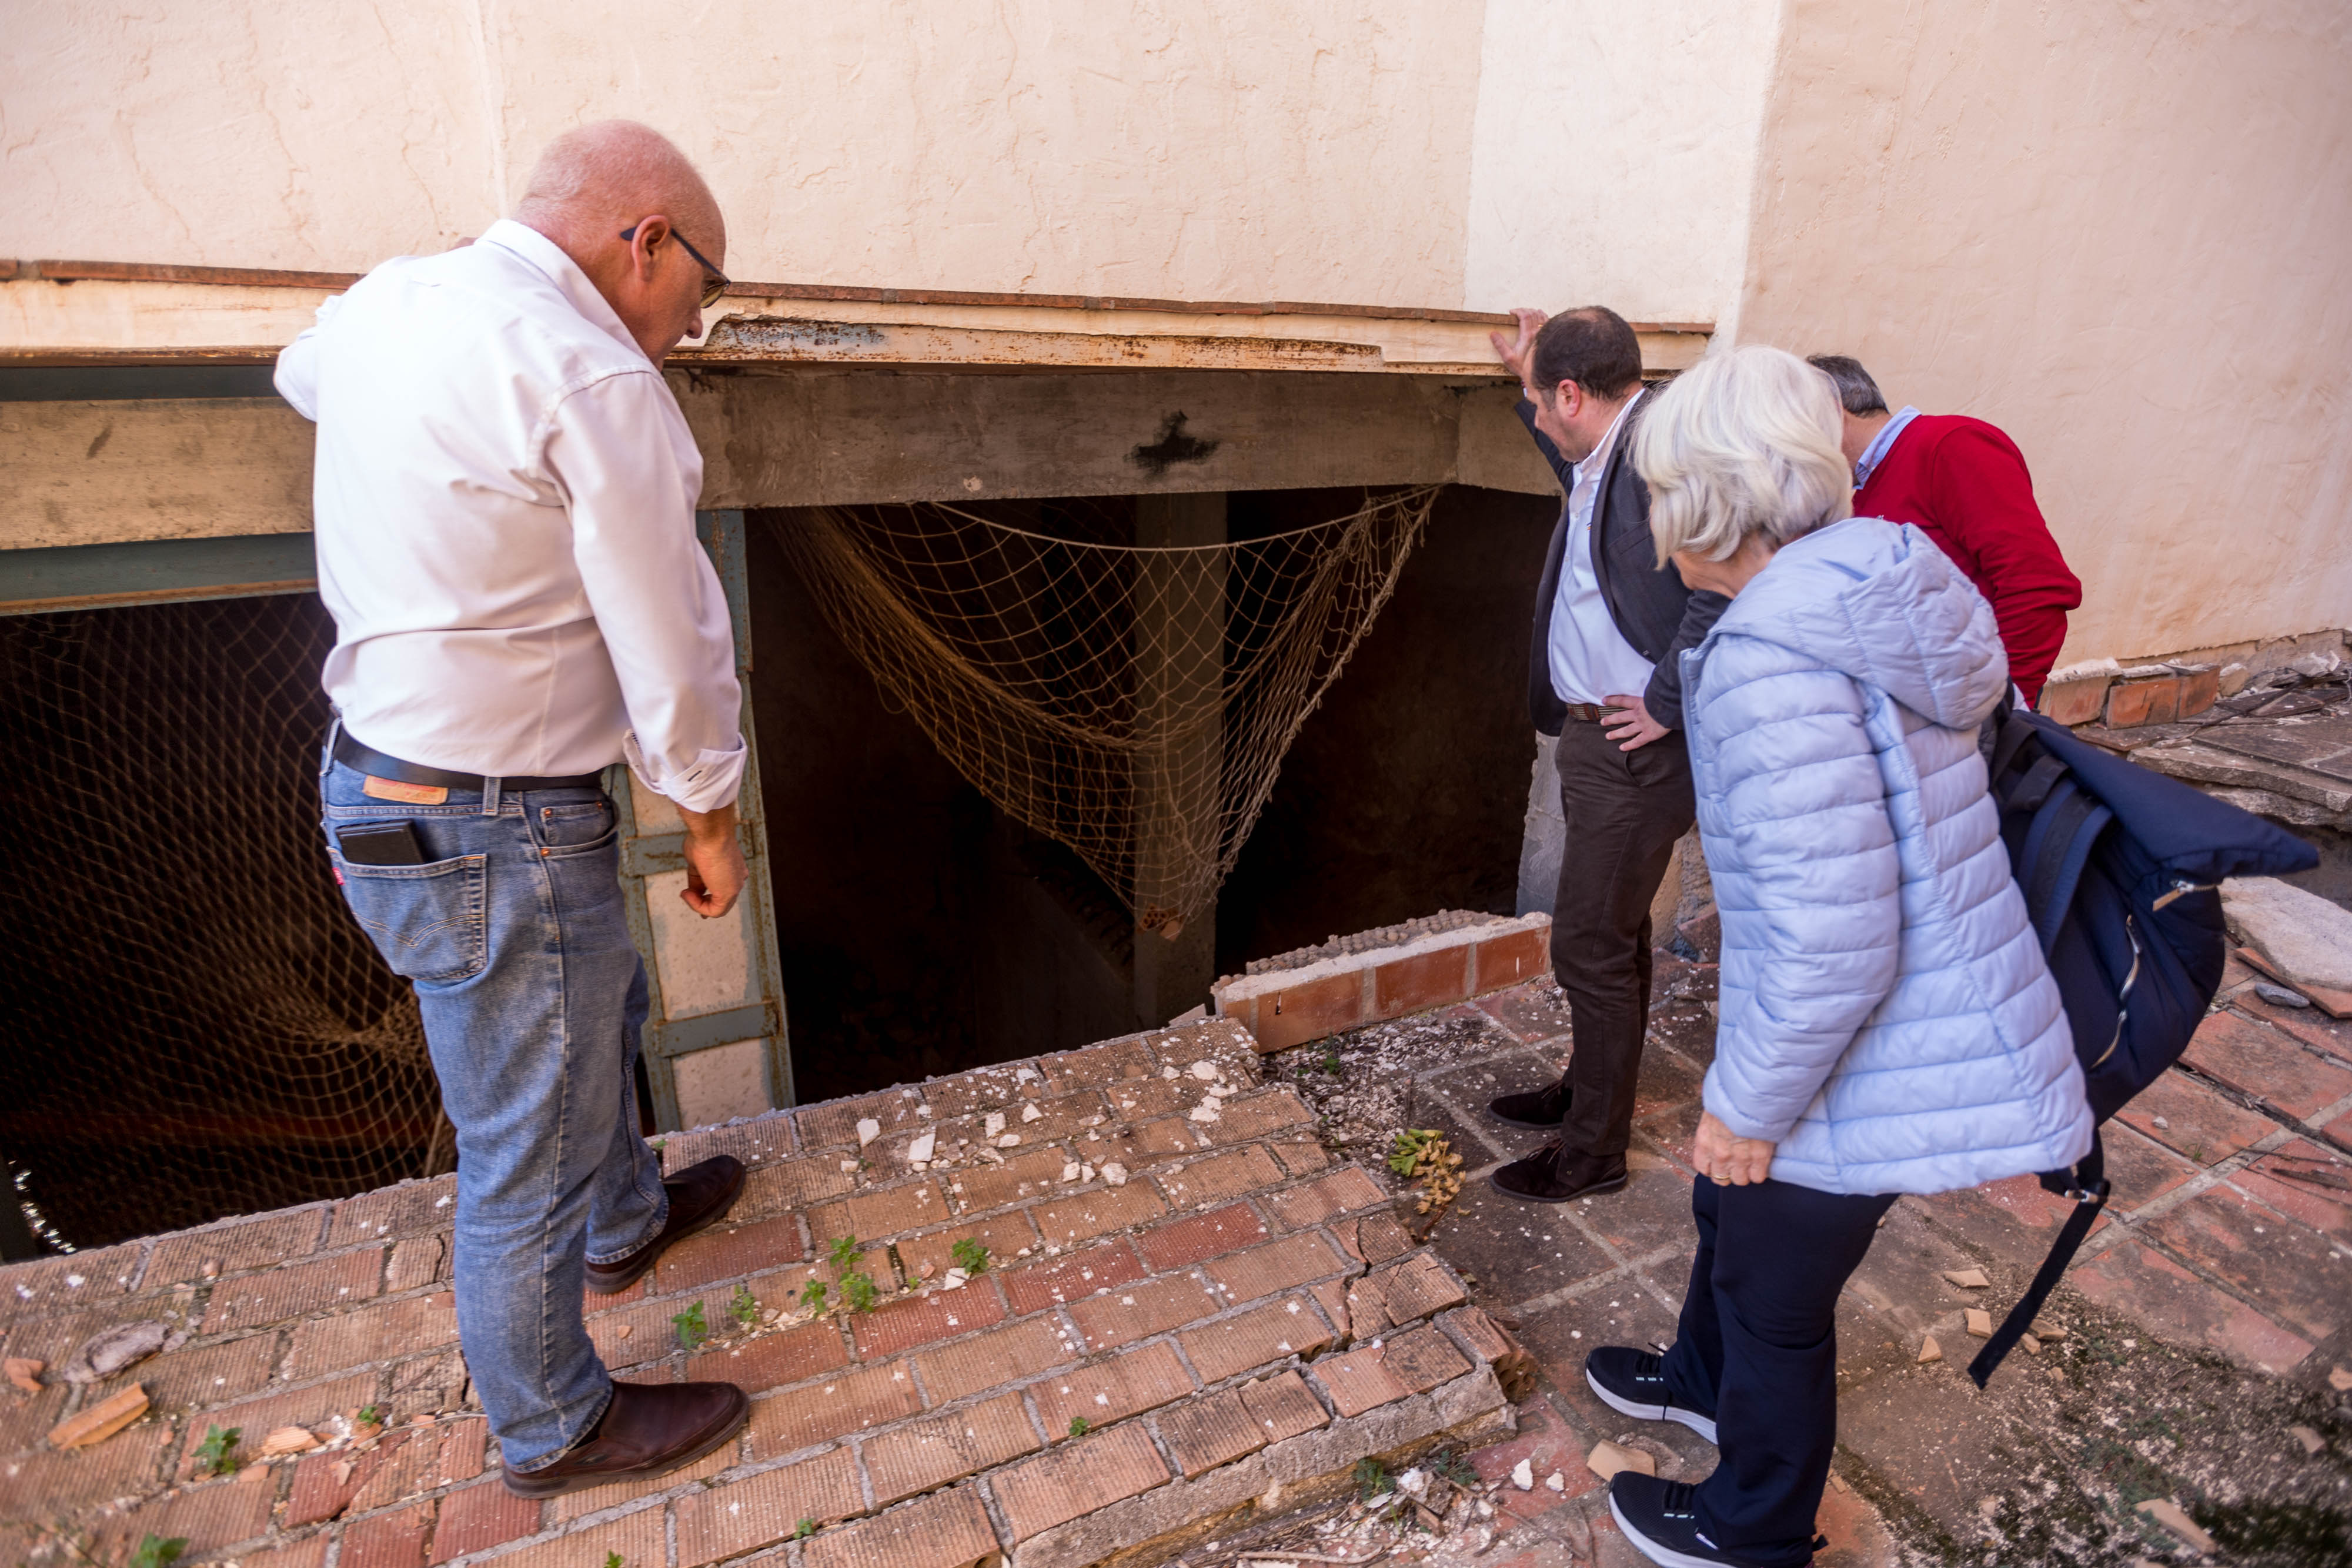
1662	1521
1633	1383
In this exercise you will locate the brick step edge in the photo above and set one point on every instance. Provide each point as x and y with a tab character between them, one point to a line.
1470	1411
1290	1006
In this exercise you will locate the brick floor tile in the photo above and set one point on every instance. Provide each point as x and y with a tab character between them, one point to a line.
920	1455
1215	1178
819	1412
798	1182
729	1254
209	1517
1346	1189
1140	1147
1419	1287
1256	1115
295	1290
874	1216
1204	1433
1301	1156
919	1320
417	1262
395	1539
835	1120
1284	1406
2309	1025
1069	1070
213	1375
1097	1213
80	1280
2293	1274
1107	1390
2268	1064
994	1086
1078	1477
1059	1119
1375	1238
1421	981
1143	1100
1359	1381
398	1466
2146	1285
311	1551
1137	1312
476	1518
1004	1235
1072	1278
762	1510
395	1211
1422	1358
2325	1209
651	1335
1188	1241
1331	1295
949	1530
804	1350
235	1247
762	1140
2199	1123
639	1540
987	1360
1256	1338
596	1499
375	1333
1278	1266
1028	1173
309	1407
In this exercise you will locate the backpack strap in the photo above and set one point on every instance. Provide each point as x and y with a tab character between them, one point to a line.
2089	1188
2057	848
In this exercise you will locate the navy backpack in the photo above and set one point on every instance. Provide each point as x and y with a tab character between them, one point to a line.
2121	868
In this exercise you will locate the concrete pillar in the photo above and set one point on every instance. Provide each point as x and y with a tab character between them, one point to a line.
1180	599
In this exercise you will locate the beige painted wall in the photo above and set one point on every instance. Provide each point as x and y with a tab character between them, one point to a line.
2119	229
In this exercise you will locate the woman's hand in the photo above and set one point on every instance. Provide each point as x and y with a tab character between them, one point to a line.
1723	1156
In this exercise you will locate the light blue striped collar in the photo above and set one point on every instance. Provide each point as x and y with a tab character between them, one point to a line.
1875	453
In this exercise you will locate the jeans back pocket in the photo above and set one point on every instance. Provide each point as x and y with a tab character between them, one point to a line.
430	921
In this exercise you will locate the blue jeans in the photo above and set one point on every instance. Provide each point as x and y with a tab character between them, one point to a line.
534	997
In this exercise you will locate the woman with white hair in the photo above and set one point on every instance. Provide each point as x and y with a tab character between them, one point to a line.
1886	1022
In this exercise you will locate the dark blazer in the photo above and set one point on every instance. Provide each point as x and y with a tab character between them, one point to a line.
1653	609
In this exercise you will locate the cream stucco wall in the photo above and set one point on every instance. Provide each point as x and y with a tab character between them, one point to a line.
2120	230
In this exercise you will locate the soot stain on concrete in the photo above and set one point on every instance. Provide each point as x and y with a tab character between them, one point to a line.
1175	446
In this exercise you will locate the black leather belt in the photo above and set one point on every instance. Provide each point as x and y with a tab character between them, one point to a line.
368	759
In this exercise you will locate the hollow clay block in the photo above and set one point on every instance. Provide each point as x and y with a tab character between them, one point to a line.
1967	1279
1929	1351
102	1420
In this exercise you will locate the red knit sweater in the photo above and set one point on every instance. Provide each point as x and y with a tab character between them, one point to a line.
1965	484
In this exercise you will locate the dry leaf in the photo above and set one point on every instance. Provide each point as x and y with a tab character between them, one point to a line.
23	1371
1607	1458
1929	1351
2168	1513
1979	1322
1967	1279
283	1440
102	1420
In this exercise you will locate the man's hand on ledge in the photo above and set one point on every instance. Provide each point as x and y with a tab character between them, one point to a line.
715	871
1514	355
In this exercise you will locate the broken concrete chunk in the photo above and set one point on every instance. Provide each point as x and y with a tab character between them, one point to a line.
1967	1279
954	1280
1523	1474
1030	1112
23	1371
1206	1111
1115	1173
1607	1458
2169	1514
919	1150
105	1354
2278	995
283	1440
868	1129
1206	1071
1979	1323
2303	936
1556	1481
102	1420
992	1125
2312	1441
1168	1072
1009	1141
1929	1351
1070	1169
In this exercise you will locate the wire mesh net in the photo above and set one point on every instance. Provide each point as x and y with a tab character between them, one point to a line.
1126	688
195	1027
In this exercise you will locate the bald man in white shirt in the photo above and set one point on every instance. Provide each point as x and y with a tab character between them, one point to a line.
505	510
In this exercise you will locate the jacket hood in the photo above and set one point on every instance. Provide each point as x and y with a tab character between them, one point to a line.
1880	602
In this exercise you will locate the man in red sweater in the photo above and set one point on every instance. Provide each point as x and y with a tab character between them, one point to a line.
1964	484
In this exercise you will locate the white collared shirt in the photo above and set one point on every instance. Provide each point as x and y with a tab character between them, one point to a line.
1591	660
504	500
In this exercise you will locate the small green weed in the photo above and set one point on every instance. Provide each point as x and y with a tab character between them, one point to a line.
370	1415
1332	1062
213	1455
1372	1480
1411	1144
692	1330
744	1307
857	1292
842	1253
1078	1425
812	1295
804	1530
154	1552
969	1256
613	1560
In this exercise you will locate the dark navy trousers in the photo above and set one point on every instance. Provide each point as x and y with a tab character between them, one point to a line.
1758	1348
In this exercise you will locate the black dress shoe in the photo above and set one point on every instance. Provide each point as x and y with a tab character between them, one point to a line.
648	1428
1552	1174
700	1197
1539	1109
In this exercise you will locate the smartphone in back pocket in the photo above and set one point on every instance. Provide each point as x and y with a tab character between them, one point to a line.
381	844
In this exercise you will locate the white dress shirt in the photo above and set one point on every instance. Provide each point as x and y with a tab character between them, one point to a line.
1591	660
505	500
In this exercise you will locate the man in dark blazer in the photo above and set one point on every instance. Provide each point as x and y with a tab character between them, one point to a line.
1604	677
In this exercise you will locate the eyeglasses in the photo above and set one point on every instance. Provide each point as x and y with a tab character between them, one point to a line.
713	286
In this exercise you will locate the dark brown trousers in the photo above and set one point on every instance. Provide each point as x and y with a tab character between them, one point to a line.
1624	810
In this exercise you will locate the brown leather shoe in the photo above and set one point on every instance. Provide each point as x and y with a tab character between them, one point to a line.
1552	1174
648	1428
700	1196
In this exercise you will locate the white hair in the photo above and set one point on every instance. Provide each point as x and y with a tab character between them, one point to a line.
1745	442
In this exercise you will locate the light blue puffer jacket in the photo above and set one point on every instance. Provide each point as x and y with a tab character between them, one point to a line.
1886	1017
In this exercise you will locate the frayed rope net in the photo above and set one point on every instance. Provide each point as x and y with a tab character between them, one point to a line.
1132	702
